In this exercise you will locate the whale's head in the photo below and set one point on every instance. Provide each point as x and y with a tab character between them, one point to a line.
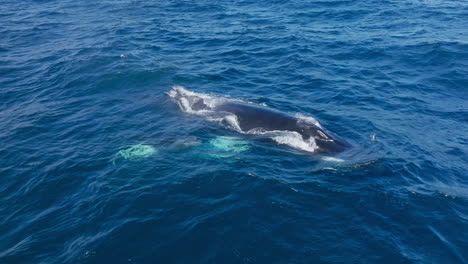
323	140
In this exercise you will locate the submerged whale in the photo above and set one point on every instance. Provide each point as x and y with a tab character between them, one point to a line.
297	131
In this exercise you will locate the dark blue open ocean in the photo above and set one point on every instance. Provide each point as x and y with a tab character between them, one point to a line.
99	165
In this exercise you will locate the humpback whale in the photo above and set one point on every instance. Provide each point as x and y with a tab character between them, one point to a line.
295	130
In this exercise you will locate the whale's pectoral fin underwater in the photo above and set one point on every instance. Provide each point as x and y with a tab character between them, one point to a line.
297	131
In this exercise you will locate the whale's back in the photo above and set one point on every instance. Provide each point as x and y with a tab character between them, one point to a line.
298	131
251	116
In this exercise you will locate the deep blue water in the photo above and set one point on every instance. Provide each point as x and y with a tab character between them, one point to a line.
81	81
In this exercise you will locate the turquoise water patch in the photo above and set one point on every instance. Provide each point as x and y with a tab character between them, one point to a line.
226	147
137	151
230	144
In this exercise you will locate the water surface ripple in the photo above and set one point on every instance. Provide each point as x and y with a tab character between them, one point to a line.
81	82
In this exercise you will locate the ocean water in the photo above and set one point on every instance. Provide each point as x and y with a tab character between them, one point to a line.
99	165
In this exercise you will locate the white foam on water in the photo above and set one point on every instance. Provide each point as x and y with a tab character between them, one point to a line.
185	105
307	120
228	120
295	140
289	138
332	159
233	122
188	99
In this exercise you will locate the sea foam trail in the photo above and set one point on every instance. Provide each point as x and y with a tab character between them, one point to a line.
202	104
